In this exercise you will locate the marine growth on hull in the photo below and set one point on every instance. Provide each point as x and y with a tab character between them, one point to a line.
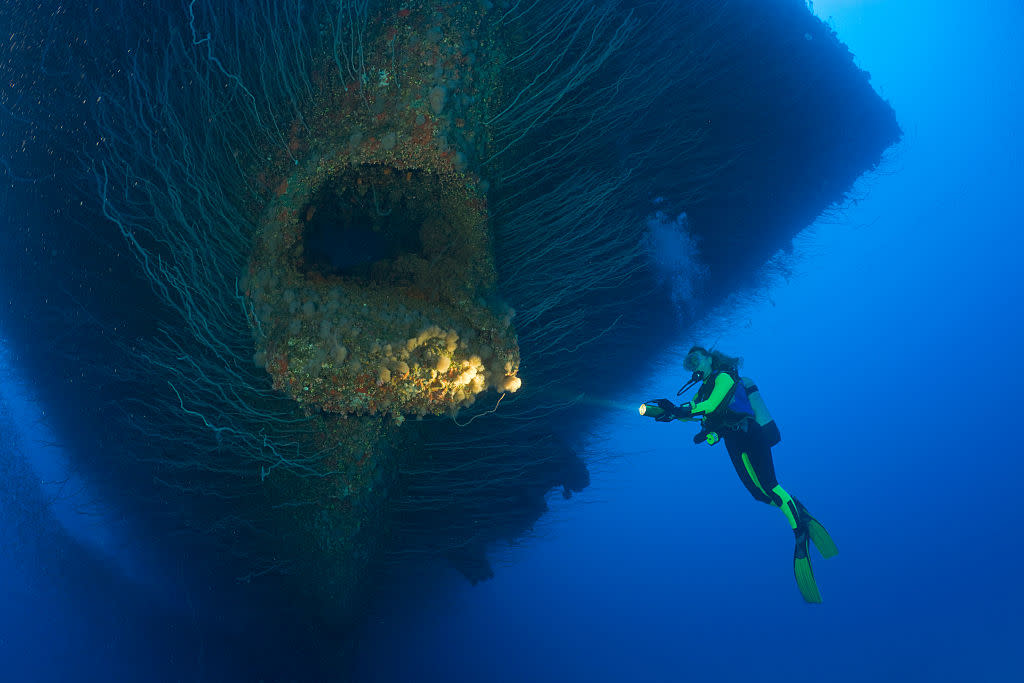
371	284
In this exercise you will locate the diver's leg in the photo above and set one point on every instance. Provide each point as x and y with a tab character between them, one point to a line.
761	462
795	512
757	460
802	569
738	448
819	536
785	502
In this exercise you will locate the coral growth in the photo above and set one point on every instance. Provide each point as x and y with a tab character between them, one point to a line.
413	328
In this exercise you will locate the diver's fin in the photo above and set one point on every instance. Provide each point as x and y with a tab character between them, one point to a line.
804	573
819	536
822	541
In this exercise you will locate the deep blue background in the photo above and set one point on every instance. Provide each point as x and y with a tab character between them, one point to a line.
891	363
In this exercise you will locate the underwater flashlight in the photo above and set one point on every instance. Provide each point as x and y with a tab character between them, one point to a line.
651	409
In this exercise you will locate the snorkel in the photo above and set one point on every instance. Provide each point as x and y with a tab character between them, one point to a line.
697	376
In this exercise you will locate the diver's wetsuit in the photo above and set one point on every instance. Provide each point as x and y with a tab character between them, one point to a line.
745	440
750	449
752	460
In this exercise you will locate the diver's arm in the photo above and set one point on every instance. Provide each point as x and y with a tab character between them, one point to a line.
723	383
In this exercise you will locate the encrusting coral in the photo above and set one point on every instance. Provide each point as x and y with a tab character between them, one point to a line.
414	327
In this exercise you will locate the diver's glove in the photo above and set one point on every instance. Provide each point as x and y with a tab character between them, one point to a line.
668	409
672	411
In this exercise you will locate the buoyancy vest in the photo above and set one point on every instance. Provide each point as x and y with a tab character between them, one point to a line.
734	411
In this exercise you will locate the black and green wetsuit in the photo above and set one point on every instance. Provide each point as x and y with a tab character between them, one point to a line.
749	447
744	439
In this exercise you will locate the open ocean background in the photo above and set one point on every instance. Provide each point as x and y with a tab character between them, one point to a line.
891	360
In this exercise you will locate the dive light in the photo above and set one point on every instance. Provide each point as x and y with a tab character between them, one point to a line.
651	409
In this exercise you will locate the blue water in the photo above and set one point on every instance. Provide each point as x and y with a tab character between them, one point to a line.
890	360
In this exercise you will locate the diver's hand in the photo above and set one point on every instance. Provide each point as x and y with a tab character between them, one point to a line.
668	410
672	411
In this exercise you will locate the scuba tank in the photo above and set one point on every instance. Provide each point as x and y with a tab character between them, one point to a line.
761	415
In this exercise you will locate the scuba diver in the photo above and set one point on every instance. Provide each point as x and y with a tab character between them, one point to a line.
730	409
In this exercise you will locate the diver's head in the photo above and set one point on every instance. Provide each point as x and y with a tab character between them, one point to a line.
698	361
